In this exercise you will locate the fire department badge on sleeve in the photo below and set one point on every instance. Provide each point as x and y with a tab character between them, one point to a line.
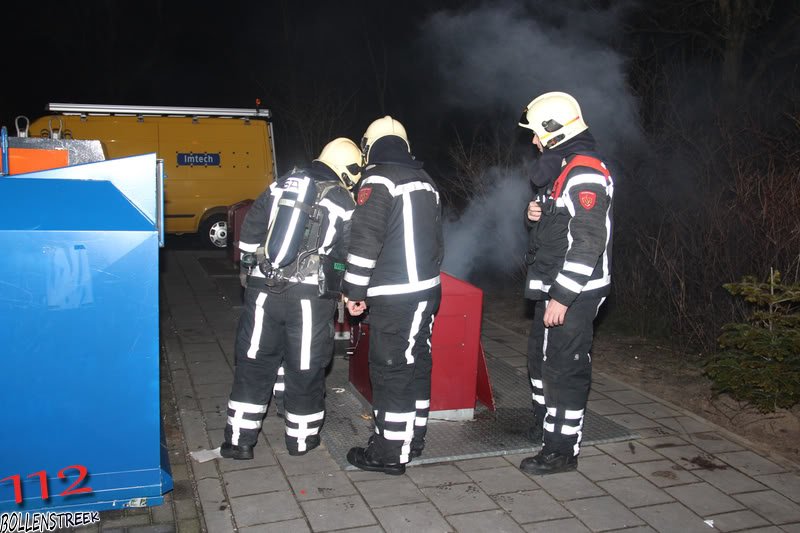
586	198
363	195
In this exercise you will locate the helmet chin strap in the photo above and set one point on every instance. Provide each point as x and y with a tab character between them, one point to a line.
365	146
347	181
555	140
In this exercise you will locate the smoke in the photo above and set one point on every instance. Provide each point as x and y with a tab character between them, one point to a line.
495	59
501	56
490	233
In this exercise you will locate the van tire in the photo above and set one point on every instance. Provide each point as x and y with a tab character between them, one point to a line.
214	231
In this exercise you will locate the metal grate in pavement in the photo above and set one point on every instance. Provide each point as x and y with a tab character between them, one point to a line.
348	421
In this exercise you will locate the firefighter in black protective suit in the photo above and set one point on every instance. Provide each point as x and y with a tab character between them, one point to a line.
293	242
393	265
569	262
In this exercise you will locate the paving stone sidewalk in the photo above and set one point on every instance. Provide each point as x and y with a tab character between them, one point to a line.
684	474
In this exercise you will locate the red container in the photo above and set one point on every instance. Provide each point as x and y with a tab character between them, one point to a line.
455	348
236	214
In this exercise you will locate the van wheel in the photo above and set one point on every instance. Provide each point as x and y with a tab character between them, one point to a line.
214	231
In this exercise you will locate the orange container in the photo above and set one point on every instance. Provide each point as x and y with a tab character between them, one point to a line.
22	160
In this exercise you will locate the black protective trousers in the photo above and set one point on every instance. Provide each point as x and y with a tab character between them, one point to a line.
560	369
275	330
400	369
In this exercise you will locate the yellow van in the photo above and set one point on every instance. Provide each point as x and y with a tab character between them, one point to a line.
213	157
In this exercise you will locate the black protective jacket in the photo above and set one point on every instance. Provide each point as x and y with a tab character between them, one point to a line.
336	209
569	253
396	245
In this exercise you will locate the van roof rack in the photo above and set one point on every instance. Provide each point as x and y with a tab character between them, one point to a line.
99	109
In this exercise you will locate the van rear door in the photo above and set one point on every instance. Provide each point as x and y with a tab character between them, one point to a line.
212	163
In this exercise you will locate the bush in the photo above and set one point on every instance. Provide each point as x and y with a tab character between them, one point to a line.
760	358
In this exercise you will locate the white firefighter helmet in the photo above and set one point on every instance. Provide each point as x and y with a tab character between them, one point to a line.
555	117
382	127
343	157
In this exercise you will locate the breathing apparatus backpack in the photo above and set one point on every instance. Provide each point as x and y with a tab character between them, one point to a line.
290	253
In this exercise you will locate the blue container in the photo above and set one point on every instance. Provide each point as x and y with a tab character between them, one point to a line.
79	344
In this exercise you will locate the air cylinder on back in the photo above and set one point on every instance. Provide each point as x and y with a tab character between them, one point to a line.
286	234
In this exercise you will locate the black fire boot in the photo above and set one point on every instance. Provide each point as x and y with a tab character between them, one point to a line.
548	463
535	433
358	458
311	443
230	451
417	445
279	405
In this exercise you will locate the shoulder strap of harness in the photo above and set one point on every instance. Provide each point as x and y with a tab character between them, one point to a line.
312	239
578	161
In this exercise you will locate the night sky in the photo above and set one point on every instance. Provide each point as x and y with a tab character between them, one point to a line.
662	83
444	68
350	60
